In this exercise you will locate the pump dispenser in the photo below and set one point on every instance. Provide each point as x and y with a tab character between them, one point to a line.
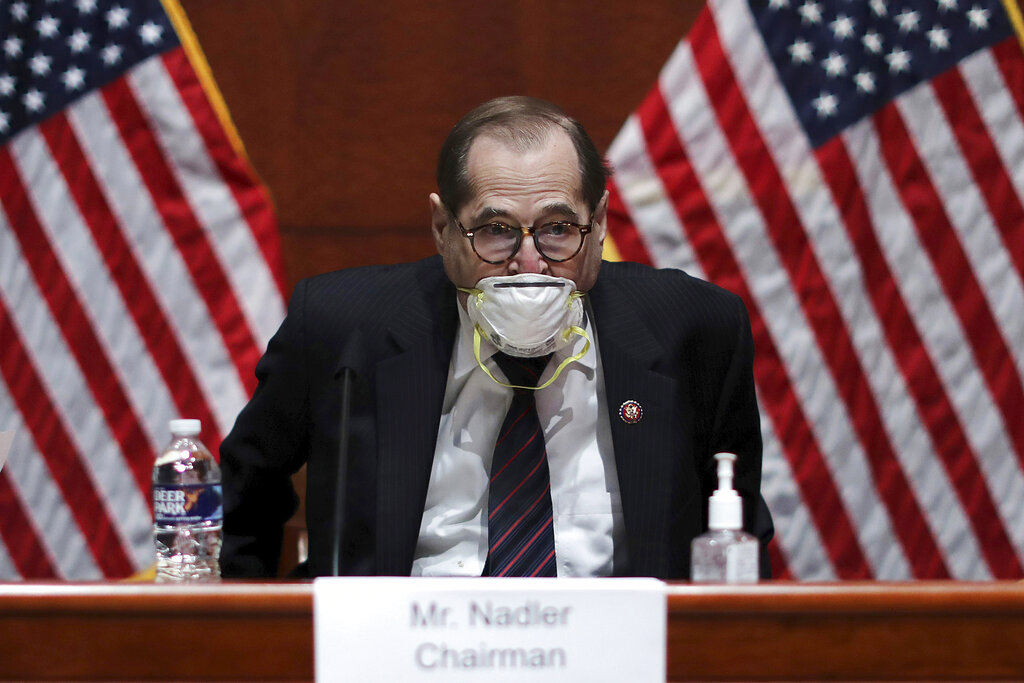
725	554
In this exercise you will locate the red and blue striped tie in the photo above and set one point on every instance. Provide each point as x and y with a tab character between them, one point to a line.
519	522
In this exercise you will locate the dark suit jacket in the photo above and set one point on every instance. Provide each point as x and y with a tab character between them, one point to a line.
679	346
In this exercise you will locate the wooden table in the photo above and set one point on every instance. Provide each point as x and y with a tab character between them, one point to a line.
769	632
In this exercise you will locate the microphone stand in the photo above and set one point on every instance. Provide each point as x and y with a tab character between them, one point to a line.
351	362
347	377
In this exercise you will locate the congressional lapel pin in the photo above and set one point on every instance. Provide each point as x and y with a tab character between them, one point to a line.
630	412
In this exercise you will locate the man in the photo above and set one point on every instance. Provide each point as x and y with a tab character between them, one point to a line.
643	376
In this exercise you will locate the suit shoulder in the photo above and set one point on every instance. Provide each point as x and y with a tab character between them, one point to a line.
379	278
381	285
369	294
652	284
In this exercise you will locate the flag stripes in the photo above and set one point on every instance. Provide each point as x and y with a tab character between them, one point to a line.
66	307
939	421
75	482
798	403
808	560
49	386
157	343
944	342
988	173
951	265
787	232
179	219
1007	56
882	274
719	263
255	281
140	278
22	551
162	264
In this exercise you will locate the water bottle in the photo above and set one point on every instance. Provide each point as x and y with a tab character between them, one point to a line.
187	509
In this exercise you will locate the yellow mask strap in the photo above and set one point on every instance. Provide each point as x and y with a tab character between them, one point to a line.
477	334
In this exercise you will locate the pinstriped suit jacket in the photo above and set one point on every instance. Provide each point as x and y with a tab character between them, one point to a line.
679	346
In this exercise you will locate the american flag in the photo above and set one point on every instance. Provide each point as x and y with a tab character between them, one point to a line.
140	274
854	169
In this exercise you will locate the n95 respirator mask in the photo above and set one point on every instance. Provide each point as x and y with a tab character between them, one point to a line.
526	315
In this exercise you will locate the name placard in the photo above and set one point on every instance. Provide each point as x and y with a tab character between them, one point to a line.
450	629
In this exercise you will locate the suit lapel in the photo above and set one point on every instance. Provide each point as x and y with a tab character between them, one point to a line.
645	452
410	386
410	393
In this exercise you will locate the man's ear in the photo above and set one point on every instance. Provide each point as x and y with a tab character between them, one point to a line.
600	218
438	220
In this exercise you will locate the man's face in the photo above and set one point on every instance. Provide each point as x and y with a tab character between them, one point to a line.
520	188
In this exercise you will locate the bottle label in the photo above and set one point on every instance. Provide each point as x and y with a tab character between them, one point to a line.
187	504
741	562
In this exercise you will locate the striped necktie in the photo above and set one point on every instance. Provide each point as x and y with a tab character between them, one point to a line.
519	523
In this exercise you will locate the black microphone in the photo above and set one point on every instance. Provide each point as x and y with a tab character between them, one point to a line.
350	363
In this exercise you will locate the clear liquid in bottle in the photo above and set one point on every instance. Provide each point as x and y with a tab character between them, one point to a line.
187	508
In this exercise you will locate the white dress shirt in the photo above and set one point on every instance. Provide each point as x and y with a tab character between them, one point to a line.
589	537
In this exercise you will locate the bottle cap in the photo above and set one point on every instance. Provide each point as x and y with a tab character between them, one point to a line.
725	509
185	427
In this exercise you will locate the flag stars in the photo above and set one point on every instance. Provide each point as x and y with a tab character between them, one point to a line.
111	54
908	21
801	52
978	18
834	64
810	12
939	38
34	100
843	27
946	5
86	6
40	64
826	104
865	81
117	17
19	11
879	8
12	47
5	122
48	26
6	85
898	60
151	33
872	42
79	41
778	4
74	79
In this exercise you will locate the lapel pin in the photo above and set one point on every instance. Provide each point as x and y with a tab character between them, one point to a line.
630	412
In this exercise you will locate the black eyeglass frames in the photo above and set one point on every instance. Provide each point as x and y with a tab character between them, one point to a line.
498	242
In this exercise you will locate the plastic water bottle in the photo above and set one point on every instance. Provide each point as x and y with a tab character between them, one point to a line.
187	508
726	553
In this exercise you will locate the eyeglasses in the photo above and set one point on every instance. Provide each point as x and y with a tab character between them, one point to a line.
497	242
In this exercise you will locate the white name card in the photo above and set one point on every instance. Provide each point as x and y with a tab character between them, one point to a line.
450	629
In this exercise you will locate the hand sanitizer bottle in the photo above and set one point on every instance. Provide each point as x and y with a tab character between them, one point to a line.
725	554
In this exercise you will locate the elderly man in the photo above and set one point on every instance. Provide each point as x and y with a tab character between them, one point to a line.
519	408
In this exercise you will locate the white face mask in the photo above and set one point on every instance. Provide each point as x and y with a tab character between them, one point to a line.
526	315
